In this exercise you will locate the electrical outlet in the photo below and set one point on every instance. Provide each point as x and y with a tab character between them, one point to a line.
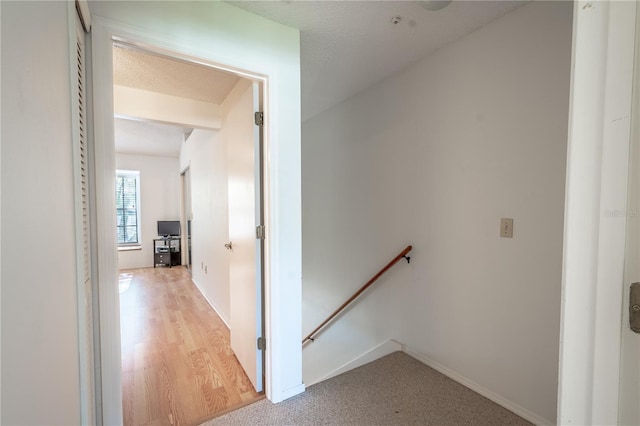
506	227
205	269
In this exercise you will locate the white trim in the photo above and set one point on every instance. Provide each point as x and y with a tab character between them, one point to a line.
130	248
0	222
629	389
594	244
84	14
612	230
137	244
296	390
383	349
105	218
128	35
509	405
184	220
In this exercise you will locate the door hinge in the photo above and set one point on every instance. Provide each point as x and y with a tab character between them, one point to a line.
262	343
260	232
259	118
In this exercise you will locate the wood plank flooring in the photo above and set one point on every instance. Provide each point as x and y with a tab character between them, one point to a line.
177	363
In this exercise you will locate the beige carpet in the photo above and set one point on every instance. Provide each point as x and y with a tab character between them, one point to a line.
394	390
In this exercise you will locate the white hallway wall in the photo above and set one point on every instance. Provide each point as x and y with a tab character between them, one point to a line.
434	156
40	383
159	200
206	154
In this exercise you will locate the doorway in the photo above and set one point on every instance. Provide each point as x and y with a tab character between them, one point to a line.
214	154
244	54
186	216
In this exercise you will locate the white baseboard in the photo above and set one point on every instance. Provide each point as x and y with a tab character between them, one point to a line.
211	303
289	393
383	349
509	405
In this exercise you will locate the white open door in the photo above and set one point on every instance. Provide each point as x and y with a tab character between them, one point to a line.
244	154
629	399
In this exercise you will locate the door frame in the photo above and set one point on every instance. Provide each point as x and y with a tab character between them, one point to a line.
104	34
595	211
185	176
629	390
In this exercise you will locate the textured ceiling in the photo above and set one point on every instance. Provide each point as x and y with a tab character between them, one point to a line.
348	46
140	137
140	70
133	68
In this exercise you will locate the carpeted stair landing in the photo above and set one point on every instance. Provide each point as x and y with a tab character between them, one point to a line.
393	390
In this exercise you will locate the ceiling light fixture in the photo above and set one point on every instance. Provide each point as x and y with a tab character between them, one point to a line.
434	5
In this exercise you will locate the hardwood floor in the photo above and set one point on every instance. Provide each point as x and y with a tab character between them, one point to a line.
177	363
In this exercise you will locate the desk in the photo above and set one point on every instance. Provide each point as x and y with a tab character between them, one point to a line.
166	251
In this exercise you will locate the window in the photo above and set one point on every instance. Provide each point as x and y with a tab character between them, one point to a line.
128	207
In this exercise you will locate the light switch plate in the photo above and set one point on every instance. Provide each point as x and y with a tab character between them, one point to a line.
506	227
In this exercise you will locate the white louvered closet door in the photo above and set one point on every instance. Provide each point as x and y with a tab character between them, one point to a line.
85	293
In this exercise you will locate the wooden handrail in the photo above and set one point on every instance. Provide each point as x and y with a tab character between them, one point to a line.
403	254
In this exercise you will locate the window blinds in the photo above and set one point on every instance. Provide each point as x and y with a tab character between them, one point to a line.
127	199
